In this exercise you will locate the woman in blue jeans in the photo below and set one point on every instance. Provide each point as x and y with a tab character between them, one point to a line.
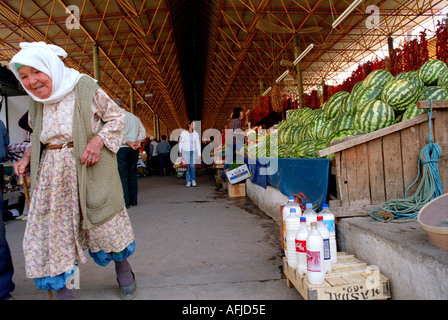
190	151
6	267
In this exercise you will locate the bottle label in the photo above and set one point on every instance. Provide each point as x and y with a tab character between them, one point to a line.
330	225
327	249
313	261
301	246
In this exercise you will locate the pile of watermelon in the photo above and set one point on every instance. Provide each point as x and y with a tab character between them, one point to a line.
378	101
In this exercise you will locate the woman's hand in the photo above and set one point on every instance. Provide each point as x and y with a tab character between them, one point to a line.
21	165
92	153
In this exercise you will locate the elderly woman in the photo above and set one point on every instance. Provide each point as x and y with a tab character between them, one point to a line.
76	194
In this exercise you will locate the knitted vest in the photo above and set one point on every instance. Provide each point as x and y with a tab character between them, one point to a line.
99	186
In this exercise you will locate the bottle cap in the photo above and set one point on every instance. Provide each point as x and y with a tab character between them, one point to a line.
302	219
291	198
314	224
320	218
309	205
325	206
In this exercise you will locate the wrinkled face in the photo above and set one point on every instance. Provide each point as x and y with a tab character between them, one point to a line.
35	81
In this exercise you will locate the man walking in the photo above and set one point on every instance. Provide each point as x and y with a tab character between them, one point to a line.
163	148
127	156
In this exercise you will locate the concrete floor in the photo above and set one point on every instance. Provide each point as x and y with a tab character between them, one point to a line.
192	244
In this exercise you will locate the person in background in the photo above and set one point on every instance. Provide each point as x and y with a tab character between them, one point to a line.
190	151
155	163
236	127
6	265
163	148
76	193
128	153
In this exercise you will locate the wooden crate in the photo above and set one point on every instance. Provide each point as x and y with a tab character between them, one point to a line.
350	279
379	166
236	190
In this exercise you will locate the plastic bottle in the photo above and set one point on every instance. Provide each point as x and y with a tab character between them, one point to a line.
323	229
292	226
301	236
315	256
285	214
309	214
329	220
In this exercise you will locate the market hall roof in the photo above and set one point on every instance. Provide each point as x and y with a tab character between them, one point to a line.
198	59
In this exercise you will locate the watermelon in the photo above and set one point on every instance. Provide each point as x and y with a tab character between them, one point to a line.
357	86
326	129
339	135
374	115
379	77
319	145
411	112
348	104
366	94
399	94
343	121
315	127
304	115
333	105
407	75
431	70
433	93
443	80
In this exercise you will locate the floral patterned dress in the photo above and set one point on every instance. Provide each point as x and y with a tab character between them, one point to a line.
54	239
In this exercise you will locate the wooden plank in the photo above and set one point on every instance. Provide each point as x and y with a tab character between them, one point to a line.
376	171
393	169
436	104
354	141
410	153
362	176
341	178
350	163
440	136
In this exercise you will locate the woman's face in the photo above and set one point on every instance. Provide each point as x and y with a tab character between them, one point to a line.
37	82
241	114
192	125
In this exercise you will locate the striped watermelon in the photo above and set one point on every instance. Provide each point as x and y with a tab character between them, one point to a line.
343	121
378	77
366	94
406	75
339	135
348	104
399	94
333	105
319	145
443	80
315	126
431	70
411	112
374	115
326	129
304	116
304	149
433	93
357	86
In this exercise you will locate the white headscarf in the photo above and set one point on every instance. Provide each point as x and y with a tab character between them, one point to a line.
46	58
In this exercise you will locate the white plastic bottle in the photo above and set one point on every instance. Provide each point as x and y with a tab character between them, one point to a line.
323	229
315	256
301	236
285	214
309	214
292	226
329	220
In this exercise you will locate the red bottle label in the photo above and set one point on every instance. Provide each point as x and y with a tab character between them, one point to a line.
301	246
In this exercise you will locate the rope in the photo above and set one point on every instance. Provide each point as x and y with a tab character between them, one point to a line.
430	187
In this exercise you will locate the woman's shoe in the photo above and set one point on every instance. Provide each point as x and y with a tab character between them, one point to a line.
128	292
188	184
193	183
